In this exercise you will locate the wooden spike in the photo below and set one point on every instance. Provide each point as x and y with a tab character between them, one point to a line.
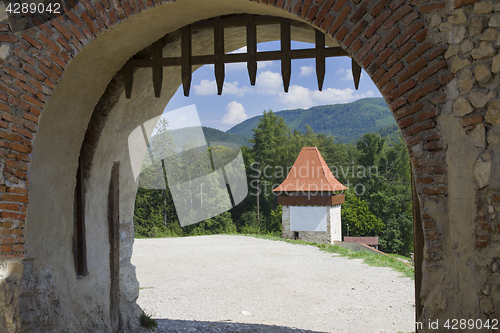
356	73
251	49
219	54
186	54
286	63
157	68
320	58
128	79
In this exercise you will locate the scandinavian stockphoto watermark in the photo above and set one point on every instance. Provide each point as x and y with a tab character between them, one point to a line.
263	178
205	179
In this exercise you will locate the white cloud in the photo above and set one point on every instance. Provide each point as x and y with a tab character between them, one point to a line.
301	97
347	74
306	70
235	114
269	83
209	87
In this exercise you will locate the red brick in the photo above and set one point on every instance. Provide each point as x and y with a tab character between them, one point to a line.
389	75
56	24
8	38
312	13
410	32
421	35
14	198
368	60
472	121
427	114
356	46
365	49
401	89
18	247
7	224
440	190
341	33
402	51
16	165
49	43
10	215
405	122
432	8
387	39
49	72
444	79
338	5
412	70
461	3
4	27
33	72
396	4
422	92
339	20
24	87
397	16
382	57
32	41
5	248
327	22
20	103
432	70
327	6
432	234
360	12
388	88
102	14
428	224
129	12
77	33
398	104
379	7
410	18
377	23
20	147
9	206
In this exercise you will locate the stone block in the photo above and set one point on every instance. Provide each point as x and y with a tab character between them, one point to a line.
458	17
495	21
476	26
457	64
482	169
495	66
457	34
489	34
465	81
478	136
493	114
461	107
451	51
485	50
482	74
483	7
479	99
466	46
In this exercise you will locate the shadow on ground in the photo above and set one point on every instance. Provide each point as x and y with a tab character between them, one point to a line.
167	325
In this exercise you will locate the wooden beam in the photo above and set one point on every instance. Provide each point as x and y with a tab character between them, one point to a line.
251	49
219	54
418	241
356	73
157	67
114	246
320	58
286	63
128	79
81	245
186	54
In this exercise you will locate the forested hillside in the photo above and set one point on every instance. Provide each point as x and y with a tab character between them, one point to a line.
345	122
375	169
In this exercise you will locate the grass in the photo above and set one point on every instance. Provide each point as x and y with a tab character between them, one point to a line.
148	322
369	258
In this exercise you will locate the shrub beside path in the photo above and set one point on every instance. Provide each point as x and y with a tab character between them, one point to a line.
226	283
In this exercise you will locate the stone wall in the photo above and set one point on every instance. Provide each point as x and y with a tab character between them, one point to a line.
333	227
435	62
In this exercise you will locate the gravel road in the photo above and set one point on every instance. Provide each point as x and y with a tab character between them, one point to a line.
243	284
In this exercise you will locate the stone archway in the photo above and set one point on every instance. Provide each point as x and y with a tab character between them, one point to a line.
55	73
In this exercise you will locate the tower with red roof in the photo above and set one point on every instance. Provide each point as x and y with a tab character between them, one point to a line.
311	198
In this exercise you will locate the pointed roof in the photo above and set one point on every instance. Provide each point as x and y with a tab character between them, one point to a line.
310	173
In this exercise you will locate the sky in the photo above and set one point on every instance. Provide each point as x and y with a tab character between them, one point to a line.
240	100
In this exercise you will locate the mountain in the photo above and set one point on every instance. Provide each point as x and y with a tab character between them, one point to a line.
214	135
345	122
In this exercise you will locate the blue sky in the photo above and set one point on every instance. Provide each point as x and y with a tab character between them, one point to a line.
240	100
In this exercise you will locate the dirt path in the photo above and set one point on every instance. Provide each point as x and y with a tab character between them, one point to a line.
243	284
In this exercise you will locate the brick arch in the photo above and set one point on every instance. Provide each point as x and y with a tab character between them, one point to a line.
43	105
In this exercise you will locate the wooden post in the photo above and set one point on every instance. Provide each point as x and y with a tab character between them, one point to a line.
286	63
219	54
418	244
157	68
186	54
79	241
251	49
114	246
320	58
356	73
128	79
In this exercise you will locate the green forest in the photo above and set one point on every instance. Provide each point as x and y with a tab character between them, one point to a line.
375	169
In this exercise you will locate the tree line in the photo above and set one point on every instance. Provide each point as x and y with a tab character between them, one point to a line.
376	170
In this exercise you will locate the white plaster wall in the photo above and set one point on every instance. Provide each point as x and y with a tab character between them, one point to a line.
335	223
